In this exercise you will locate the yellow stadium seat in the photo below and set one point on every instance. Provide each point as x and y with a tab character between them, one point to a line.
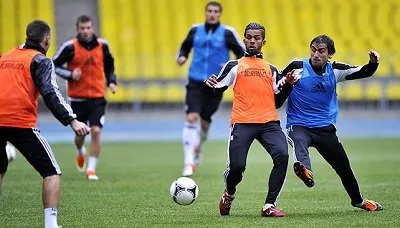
124	94
8	25
117	97
396	64
24	16
174	93
152	93
15	16
384	69
354	91
46	13
373	91
145	35
393	91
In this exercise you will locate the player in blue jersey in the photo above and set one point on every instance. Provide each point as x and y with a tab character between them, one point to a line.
312	110
211	42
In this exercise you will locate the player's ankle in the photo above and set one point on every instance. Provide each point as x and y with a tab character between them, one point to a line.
268	205
50	217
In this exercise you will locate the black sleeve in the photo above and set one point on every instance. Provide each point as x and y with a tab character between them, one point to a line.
187	43
347	72
293	65
284	92
43	75
109	65
64	54
226	77
233	43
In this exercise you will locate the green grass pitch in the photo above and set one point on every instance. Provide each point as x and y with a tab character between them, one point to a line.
133	190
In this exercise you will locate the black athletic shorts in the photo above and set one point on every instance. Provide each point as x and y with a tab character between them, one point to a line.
201	99
91	110
32	146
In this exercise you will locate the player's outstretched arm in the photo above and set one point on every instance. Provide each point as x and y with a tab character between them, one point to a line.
43	75
345	72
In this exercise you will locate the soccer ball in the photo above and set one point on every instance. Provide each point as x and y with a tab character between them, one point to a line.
11	152
184	191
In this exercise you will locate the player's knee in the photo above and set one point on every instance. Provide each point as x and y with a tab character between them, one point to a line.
237	167
192	117
205	125
79	139
95	131
282	155
50	175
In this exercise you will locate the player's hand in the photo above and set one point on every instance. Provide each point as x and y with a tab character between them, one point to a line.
113	87
291	78
373	56
181	60
76	74
79	128
212	81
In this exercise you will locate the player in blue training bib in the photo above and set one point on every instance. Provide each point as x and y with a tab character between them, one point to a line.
211	42
312	111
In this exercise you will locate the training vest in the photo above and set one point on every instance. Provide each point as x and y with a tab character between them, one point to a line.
18	93
92	81
254	97
313	100
209	53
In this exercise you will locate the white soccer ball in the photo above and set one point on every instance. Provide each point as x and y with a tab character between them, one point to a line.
11	152
184	191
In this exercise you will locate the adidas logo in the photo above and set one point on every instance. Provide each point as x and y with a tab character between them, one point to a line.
318	88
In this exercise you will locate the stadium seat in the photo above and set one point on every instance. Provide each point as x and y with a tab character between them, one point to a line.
393	91
124	94
353	91
174	93
373	91
46	13
8	25
152	93
14	17
145	46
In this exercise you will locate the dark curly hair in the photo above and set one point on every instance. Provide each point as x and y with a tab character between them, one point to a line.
324	39
255	26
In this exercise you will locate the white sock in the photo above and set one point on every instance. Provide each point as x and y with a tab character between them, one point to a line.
191	138
82	150
268	205
50	218
92	163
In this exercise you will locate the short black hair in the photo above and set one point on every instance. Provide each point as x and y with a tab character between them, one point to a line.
217	4
324	39
255	26
37	30
82	19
